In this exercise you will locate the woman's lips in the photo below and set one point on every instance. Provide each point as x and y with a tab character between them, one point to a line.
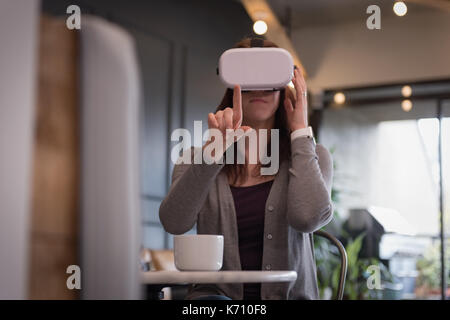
256	99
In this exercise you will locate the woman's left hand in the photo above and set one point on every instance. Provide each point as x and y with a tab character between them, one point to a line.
297	115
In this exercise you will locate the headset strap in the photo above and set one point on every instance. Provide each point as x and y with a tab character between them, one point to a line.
256	42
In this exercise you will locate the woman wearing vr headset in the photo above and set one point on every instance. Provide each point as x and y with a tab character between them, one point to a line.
267	220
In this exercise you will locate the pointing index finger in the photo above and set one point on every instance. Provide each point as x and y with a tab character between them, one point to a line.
237	106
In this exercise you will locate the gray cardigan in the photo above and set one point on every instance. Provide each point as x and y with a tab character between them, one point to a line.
298	204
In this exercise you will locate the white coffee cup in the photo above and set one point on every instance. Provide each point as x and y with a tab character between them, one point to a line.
198	252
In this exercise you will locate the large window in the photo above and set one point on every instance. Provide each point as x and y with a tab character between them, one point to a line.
387	173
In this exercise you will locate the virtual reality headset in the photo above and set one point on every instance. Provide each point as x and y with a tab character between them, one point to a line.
256	68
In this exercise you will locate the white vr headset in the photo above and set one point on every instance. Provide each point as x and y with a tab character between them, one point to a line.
256	68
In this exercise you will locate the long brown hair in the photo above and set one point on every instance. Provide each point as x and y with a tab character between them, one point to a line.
239	171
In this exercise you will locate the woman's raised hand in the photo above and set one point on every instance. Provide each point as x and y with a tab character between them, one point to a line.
229	118
297	115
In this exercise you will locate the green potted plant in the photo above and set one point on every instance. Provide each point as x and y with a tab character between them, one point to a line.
428	282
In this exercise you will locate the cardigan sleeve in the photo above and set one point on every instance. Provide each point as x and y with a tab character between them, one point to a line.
190	185
309	205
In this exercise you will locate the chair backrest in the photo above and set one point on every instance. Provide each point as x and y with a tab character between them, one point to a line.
343	254
109	191
163	260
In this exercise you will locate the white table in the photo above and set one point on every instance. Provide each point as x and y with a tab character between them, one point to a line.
156	280
185	277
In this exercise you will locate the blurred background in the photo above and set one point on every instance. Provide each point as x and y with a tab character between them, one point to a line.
86	117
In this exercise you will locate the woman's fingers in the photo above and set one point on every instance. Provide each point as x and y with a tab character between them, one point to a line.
212	121
300	77
288	105
220	121
237	107
228	118
289	109
246	128
298	89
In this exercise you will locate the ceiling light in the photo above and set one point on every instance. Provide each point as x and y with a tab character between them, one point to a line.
339	98
260	27
406	105
400	8
406	91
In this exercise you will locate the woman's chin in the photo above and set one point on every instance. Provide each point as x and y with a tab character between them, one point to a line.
258	119
259	112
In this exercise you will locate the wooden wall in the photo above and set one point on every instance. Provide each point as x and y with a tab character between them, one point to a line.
54	222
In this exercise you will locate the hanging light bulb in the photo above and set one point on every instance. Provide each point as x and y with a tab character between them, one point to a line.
406	91
260	25
400	8
406	105
339	98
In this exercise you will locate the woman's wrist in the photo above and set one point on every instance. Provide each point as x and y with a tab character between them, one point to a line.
298	127
303	132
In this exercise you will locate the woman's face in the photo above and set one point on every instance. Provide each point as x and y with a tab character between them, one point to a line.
259	106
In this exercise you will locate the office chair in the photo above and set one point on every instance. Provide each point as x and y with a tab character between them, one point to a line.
343	255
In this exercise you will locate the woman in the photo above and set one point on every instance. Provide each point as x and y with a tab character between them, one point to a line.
267	221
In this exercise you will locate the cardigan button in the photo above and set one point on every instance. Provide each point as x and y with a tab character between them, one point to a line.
270	208
268	267
269	236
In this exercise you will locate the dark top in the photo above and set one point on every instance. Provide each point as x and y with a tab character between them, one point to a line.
250	205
